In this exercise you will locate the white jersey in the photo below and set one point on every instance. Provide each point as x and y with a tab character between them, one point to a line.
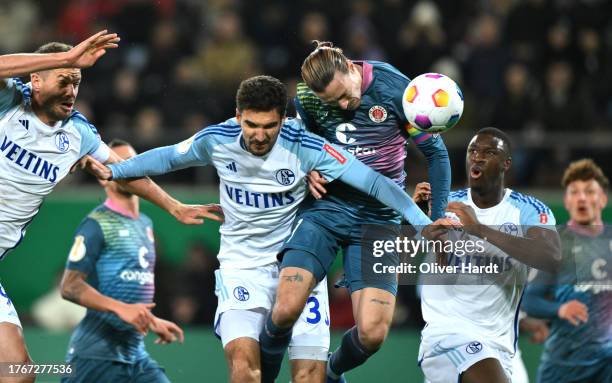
34	157
260	195
487	310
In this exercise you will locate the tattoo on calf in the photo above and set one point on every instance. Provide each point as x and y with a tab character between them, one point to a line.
384	303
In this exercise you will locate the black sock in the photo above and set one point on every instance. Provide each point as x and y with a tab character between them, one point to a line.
273	342
350	354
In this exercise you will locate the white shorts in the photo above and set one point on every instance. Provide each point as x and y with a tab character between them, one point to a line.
444	358
7	310
246	295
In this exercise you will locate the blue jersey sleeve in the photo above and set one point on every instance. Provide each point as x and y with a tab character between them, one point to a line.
194	151
533	212
538	300
439	173
87	246
11	94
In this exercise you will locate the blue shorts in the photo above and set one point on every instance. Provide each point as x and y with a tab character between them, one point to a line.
600	371
107	371
319	234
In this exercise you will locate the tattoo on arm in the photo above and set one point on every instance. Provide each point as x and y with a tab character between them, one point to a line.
73	285
294	278
380	302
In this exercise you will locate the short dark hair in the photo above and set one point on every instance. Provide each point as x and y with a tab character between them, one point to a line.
320	66
584	170
491	131
262	94
54	47
115	142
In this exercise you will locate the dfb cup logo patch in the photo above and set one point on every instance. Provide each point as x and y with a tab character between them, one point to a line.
378	113
285	177
241	294
543	218
62	142
474	348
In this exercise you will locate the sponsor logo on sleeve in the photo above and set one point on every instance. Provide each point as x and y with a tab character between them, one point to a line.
78	250
334	153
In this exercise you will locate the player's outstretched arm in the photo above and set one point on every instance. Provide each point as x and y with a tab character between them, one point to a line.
154	162
439	173
364	179
75	288
539	248
83	55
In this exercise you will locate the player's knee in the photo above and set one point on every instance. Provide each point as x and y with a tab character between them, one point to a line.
243	369
372	334
308	373
286	313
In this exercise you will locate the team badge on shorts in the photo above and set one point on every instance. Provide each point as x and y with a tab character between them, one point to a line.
62	142
473	348
377	113
241	294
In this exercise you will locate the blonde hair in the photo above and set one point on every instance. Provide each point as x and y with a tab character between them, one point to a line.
584	170
320	66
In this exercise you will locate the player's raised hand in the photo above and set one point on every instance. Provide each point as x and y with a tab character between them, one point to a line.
465	213
90	50
167	331
574	312
137	314
422	192
315	184
195	214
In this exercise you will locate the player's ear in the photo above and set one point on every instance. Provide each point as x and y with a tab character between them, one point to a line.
604	199
507	163
238	115
36	81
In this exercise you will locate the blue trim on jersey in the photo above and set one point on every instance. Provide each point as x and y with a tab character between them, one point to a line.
218	133
304	144
25	91
80	117
537	204
304	138
516	321
458	193
222	128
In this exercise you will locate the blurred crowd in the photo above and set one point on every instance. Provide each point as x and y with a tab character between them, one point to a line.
538	69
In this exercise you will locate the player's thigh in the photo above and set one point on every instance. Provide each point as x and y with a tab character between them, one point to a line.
487	370
12	344
148	370
307	371
374	313
294	287
95	370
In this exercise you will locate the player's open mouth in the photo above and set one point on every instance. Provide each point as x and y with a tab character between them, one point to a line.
475	172
67	105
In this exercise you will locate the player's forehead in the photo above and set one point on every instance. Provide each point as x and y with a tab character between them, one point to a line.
590	184
487	141
259	117
66	74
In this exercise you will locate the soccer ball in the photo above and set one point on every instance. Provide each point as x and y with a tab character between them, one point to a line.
432	103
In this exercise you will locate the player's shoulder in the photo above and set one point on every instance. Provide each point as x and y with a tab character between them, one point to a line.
293	133
23	91
387	74
528	202
458	195
225	131
80	122
307	98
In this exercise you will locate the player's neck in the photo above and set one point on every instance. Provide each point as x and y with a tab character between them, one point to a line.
128	206
486	198
41	115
